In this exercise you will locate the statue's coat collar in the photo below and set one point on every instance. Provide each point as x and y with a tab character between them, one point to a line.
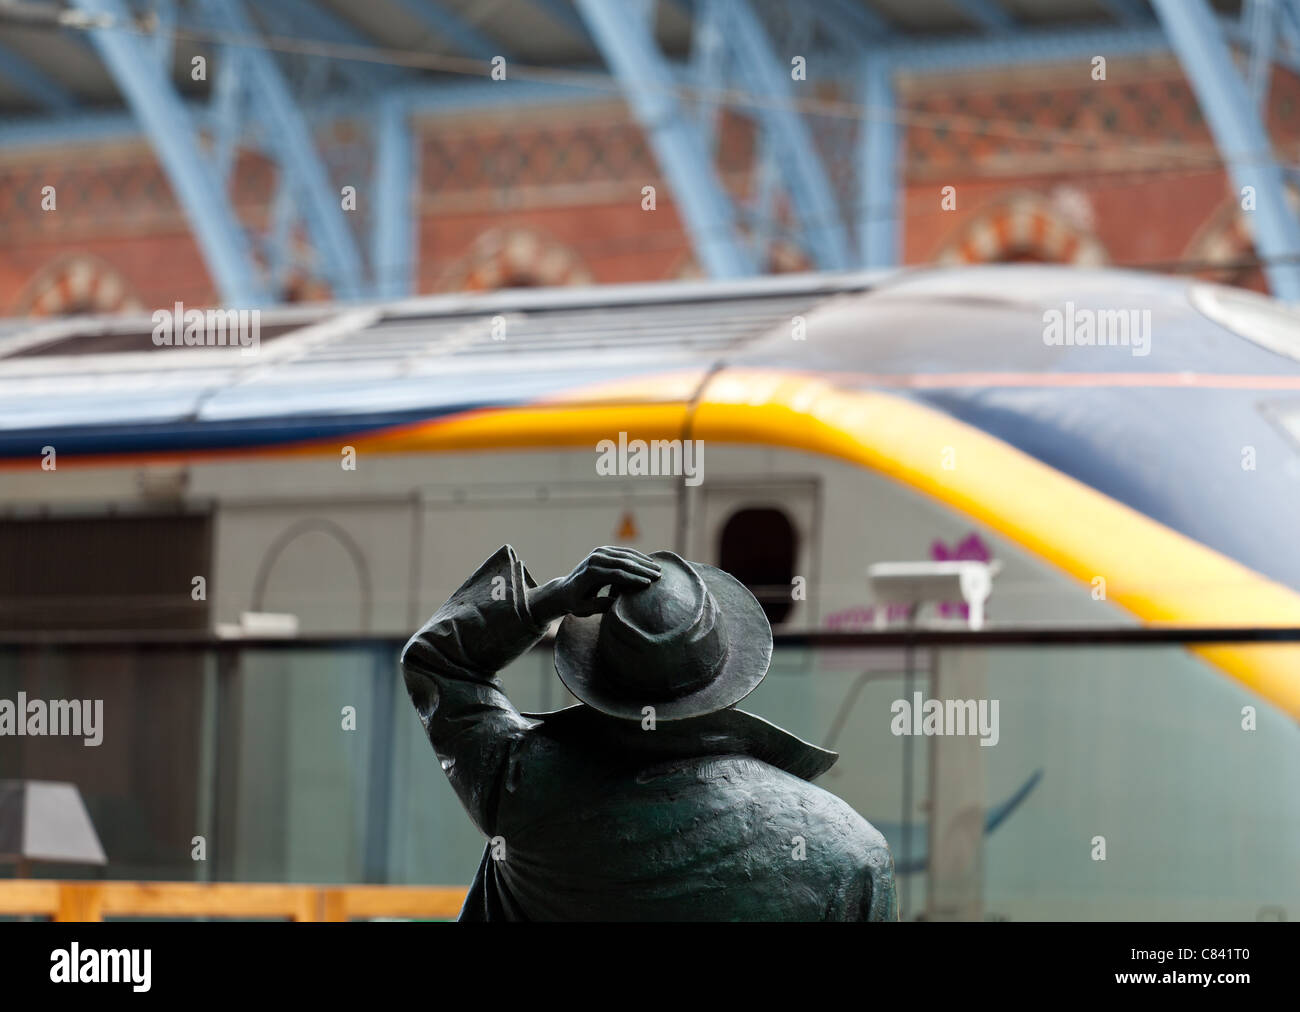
726	732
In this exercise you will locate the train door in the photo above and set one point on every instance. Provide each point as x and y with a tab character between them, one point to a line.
765	533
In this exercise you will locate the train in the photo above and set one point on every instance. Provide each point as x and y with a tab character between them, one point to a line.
1124	447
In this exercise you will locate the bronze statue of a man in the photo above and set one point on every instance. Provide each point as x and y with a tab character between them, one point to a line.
654	798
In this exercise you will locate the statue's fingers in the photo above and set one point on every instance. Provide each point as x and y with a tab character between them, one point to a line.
627	558
625	575
626	567
630	553
633	562
651	573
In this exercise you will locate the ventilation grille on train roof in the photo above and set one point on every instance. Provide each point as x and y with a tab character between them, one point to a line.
694	326
108	335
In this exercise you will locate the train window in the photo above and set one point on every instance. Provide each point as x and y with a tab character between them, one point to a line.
759	547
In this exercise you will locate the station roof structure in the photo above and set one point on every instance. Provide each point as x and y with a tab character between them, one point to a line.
545	32
202	79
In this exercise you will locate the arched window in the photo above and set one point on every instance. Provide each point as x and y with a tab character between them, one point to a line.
76	284
1026	228
759	548
515	258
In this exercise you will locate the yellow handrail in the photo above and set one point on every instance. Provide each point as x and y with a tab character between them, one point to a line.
93	901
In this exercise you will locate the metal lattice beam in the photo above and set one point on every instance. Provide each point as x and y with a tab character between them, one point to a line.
820	221
708	70
293	17
1240	135
1289	19
287	134
158	108
1260	20
880	196
1284	48
394	241
626	41
164	34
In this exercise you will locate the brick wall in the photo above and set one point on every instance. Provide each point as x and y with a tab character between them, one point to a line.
553	196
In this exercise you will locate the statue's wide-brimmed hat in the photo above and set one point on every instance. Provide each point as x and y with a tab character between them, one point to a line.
694	642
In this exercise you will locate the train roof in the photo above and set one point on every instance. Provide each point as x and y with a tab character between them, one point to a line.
429	353
334	358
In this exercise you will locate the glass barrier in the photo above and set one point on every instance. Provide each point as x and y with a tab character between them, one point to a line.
1014	781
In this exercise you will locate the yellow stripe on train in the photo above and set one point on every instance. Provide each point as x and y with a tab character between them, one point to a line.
1157	574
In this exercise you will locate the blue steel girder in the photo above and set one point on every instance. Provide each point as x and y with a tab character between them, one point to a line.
708	61
294	17
1284	49
627	44
1291	14
880	196
1239	134
1289	24
394	250
1260	20
225	103
453	28
164	32
821	225
34	82
164	118
286	133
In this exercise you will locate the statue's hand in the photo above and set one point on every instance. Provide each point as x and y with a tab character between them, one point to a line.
616	568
